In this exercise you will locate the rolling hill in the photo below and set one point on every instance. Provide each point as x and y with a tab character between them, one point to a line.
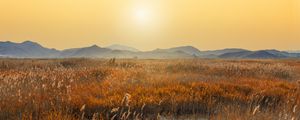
122	47
29	49
26	49
261	54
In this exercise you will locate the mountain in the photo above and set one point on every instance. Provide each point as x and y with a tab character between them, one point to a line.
217	53
122	47
92	51
187	49
223	51
68	52
261	54
190	50
29	49
98	52
293	51
163	54
280	54
240	54
26	49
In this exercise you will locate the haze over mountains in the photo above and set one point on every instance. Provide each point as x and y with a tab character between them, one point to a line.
29	49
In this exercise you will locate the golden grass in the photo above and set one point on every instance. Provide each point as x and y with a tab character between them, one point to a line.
70	89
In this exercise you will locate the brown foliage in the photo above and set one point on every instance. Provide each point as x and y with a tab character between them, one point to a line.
138	89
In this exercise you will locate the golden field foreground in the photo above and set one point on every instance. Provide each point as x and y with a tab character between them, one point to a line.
74	89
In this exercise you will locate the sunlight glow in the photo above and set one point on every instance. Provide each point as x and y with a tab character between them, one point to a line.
142	15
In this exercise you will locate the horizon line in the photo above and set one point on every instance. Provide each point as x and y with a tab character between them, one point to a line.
106	46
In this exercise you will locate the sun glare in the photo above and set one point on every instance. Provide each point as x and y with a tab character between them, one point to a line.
142	15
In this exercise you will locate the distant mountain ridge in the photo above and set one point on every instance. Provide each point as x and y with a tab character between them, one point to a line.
29	49
26	49
223	51
122	47
293	51
261	54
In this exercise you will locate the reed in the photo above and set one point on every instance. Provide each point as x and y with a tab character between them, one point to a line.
97	89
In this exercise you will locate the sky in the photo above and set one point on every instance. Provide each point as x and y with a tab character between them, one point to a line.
151	24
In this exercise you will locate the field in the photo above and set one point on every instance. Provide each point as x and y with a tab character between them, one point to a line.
75	89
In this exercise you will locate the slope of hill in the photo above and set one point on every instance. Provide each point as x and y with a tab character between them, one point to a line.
261	54
293	51
184	50
223	51
26	49
92	51
122	47
240	54
68	52
163	54
30	49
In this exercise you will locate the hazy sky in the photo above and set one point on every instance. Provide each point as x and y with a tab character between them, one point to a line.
150	24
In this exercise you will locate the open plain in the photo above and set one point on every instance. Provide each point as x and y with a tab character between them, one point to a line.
73	89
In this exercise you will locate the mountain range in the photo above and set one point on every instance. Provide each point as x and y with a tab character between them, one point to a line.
29	49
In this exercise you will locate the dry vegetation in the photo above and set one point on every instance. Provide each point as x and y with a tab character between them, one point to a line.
73	89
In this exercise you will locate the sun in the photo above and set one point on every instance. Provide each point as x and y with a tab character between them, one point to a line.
142	15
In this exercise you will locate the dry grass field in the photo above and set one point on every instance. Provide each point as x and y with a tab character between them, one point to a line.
96	89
